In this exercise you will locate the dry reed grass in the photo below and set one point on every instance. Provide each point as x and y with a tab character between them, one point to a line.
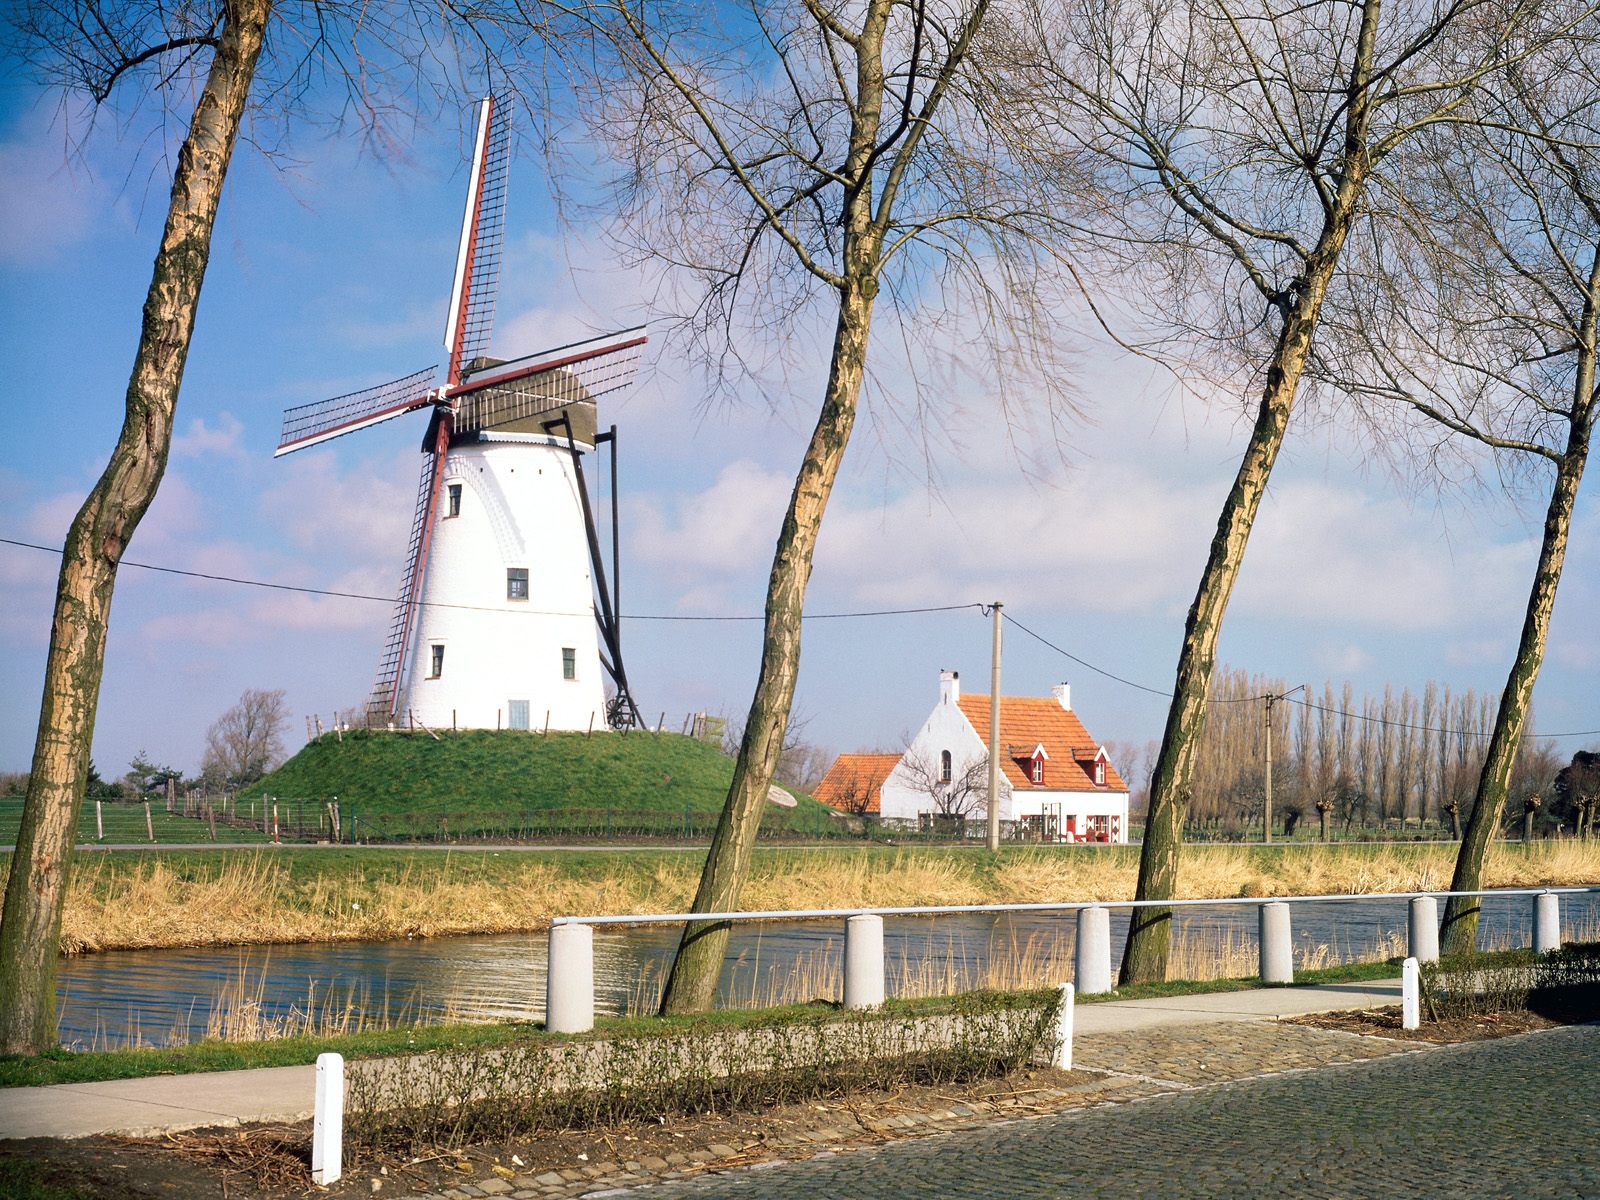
255	898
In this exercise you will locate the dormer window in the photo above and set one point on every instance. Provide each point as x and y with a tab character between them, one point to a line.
1100	772
945	767
1037	772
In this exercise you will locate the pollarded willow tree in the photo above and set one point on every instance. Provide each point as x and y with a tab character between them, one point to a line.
203	65
1242	140
816	161
1477	309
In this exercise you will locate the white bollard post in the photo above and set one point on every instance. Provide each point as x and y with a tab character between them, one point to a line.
1410	994
863	961
569	983
1422	931
1092	956
1062	1058
1277	946
1546	923
327	1128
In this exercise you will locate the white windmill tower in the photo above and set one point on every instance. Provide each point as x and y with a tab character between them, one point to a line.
497	621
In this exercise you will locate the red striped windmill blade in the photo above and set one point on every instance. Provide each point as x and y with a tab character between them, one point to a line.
312	424
472	295
392	663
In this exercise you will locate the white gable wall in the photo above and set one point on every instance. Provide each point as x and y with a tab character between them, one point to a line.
946	728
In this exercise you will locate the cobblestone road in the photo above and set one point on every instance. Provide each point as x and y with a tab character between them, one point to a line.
1518	1117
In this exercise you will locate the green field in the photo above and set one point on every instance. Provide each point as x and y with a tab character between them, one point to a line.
477	783
123	822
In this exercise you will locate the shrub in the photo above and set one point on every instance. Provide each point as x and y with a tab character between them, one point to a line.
1465	985
454	1098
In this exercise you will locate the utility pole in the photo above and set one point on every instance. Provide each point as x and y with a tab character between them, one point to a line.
1266	812
994	733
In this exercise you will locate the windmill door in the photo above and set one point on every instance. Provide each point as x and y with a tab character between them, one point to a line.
518	717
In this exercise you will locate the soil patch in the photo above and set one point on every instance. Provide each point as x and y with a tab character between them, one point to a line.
1385	1022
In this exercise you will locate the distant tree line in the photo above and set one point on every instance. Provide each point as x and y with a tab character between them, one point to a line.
1358	759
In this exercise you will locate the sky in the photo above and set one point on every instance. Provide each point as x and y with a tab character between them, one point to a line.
331	272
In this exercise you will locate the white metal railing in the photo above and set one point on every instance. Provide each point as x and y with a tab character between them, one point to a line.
569	994
934	910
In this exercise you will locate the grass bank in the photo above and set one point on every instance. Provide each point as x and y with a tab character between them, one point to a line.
67	1066
283	895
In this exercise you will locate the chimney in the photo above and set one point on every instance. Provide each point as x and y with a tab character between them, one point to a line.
949	687
1063	694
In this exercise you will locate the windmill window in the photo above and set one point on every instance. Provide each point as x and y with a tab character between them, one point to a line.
436	662
453	501
516	583
944	766
569	663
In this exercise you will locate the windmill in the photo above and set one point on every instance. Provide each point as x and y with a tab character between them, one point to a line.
504	616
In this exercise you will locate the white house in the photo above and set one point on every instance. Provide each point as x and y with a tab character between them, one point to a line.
1054	777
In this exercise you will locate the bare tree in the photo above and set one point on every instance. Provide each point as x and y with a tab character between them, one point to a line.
1243	139
246	742
958	796
1480	314
212	52
801	161
1576	792
36	889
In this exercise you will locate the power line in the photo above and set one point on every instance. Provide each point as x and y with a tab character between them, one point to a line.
1042	640
1289	695
1465	733
532	612
832	616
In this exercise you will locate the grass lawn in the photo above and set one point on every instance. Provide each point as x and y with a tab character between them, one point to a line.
124	823
411	784
64	1066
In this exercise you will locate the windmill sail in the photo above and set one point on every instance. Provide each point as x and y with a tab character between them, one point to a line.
310	424
472	295
391	666
547	382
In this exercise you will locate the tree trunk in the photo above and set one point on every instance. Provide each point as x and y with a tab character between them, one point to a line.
36	891
692	983
1145	955
1460	924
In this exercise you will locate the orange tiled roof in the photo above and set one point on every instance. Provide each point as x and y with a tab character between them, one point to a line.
1029	721
854	777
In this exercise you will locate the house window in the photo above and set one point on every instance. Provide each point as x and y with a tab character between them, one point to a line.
1100	773
569	663
436	662
1038	770
945	771
453	501
516	583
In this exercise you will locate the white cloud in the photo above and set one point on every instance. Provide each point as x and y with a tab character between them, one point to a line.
224	440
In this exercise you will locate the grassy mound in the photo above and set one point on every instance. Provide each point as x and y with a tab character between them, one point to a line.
513	771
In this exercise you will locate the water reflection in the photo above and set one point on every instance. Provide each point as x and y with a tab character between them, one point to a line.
165	996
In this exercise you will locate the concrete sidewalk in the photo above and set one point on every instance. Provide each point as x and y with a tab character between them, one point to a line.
169	1103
